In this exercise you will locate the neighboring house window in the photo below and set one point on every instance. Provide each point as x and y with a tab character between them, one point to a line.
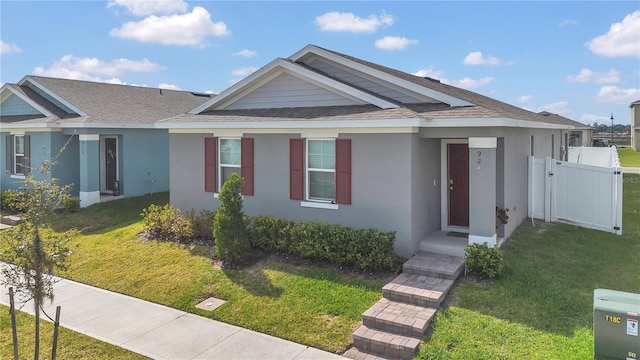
326	170
224	157
18	154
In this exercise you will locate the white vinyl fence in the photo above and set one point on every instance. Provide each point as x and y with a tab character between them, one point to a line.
583	195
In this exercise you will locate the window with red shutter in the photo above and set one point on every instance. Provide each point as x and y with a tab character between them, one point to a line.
343	171
296	169
246	167
210	163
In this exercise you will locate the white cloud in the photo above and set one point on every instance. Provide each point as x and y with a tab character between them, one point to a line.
6	48
245	53
432	73
244	71
349	22
476	58
93	69
394	43
589	118
568	22
209	92
616	95
143	8
588	76
559	107
525	98
468	83
169	86
183	30
623	38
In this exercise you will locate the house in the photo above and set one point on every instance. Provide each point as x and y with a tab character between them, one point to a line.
635	125
110	143
581	135
321	135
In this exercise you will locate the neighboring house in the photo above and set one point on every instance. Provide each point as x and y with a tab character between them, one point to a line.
112	146
326	136
581	135
635	125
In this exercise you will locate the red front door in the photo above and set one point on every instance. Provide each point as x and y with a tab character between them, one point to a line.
458	184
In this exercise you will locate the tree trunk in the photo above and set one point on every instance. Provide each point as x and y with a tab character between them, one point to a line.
36	350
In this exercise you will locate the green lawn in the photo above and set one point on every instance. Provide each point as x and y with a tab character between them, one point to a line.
542	305
629	157
309	305
71	345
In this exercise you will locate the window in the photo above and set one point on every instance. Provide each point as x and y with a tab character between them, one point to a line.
321	163
324	174
18	154
223	157
229	163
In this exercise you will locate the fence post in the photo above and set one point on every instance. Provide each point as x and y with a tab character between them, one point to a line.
617	188
548	188
14	329
56	326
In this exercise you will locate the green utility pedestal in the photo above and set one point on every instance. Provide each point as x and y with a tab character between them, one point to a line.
615	325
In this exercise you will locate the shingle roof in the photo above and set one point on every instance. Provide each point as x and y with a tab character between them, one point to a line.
112	103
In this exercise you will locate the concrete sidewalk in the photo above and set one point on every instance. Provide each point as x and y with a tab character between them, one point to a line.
631	170
160	332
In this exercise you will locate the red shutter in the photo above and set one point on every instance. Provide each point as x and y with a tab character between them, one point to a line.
210	163
246	165
27	155
343	171
9	154
296	169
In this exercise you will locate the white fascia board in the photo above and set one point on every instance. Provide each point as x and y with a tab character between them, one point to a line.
297	124
24	98
450	100
53	95
275	68
45	127
490	122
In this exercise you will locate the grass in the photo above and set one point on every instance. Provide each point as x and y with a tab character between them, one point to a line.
71	345
629	157
307	304
542	305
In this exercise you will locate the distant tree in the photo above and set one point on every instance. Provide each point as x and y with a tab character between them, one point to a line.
230	229
31	252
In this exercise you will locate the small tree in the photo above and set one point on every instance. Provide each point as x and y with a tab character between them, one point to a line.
31	253
230	230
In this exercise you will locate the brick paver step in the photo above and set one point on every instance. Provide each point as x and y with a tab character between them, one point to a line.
384	343
399	317
434	265
357	354
419	290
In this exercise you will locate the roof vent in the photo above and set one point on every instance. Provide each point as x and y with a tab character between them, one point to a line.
432	79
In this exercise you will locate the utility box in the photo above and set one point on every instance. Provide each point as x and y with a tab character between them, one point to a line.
615	325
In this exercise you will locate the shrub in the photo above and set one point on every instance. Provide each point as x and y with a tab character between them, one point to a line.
71	204
230	229
166	222
201	223
11	200
484	261
363	249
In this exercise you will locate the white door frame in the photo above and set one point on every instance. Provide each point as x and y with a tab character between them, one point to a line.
444	186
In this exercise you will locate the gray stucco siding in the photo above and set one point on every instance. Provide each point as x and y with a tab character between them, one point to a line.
381	182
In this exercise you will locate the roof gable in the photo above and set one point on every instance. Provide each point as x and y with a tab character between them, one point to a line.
14	102
273	72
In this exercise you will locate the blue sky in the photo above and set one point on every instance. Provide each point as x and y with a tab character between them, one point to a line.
579	59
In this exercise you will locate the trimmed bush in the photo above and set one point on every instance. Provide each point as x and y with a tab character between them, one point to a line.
201	223
362	249
11	200
71	204
230	229
166	222
484	261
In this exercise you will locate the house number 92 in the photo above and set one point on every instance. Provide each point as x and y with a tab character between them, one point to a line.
479	157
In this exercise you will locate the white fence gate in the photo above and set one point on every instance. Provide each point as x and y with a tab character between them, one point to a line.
583	195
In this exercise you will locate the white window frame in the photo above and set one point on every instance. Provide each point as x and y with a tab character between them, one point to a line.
221	165
309	169
16	154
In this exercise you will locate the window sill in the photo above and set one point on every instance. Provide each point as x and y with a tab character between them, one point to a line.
319	205
21	177
217	195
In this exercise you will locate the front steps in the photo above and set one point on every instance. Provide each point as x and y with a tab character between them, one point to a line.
393	327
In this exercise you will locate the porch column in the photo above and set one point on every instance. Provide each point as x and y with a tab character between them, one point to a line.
482	190
89	169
